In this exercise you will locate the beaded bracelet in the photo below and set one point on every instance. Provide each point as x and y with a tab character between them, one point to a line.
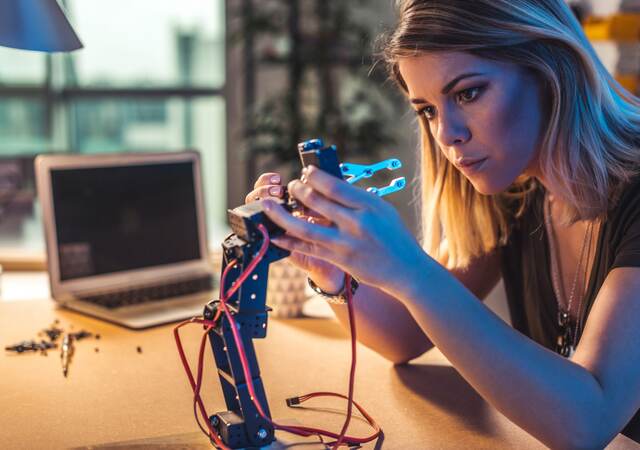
337	299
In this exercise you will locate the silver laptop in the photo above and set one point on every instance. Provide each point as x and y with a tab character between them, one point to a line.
126	235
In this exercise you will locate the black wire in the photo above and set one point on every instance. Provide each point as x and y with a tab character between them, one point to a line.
195	414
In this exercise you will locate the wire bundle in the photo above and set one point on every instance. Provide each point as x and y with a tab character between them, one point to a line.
340	438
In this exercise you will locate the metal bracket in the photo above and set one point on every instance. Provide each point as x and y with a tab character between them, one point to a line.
357	172
395	186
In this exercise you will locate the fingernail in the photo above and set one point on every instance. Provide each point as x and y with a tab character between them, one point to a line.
279	242
304	169
275	179
275	191
303	178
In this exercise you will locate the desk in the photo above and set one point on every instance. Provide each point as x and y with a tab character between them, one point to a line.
143	399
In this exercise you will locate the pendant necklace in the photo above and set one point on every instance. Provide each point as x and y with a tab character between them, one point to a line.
568	328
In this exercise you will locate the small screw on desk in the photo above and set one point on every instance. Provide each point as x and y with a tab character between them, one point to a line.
66	353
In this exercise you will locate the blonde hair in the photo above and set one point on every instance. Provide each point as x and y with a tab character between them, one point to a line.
590	146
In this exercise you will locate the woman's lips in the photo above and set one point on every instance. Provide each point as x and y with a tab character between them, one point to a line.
469	167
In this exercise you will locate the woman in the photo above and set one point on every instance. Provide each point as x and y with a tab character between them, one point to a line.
529	171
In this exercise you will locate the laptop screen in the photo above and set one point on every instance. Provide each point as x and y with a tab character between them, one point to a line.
114	219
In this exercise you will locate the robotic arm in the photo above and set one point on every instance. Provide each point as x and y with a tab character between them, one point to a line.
242	425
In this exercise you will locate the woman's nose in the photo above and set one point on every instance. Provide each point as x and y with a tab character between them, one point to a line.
452	130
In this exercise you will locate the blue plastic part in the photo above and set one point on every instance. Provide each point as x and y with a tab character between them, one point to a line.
396	185
314	152
313	144
356	172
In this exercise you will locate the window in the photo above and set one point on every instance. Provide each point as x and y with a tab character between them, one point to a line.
150	78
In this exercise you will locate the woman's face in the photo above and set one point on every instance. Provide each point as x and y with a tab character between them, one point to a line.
478	110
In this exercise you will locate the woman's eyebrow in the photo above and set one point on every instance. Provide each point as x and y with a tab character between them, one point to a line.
450	85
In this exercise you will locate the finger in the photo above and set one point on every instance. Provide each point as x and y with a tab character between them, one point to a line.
314	200
309	249
336	189
268	178
269	191
312	217
298	246
299	228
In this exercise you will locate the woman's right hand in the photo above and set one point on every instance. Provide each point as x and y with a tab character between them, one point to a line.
327	276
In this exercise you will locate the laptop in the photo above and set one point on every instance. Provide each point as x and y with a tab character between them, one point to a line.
126	235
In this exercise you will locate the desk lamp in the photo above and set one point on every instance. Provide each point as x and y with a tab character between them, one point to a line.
38	25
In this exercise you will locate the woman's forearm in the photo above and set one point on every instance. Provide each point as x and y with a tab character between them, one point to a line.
385	325
557	401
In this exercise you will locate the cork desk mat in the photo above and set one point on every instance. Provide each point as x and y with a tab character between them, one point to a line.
132	392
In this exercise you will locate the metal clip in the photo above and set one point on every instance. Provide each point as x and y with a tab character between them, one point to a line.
395	186
357	172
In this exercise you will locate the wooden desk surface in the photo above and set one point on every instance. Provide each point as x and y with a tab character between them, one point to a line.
143	400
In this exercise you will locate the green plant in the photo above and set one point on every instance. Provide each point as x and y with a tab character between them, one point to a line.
331	91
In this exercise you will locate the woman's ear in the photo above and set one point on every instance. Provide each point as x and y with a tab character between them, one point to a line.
545	92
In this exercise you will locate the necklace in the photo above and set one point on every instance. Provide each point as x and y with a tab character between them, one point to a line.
566	340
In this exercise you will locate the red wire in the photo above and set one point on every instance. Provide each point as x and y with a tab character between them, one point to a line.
304	398
352	373
299	430
212	434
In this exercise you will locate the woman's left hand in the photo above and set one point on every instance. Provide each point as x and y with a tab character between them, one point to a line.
367	238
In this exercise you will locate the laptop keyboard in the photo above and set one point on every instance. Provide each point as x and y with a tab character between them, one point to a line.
151	293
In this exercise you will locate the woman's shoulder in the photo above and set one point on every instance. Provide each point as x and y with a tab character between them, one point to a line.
626	193
624	201
623	226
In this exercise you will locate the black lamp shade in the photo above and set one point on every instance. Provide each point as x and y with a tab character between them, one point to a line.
38	25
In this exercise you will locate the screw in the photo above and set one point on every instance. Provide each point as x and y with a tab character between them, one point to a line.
262	433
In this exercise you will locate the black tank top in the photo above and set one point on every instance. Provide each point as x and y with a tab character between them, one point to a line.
526	269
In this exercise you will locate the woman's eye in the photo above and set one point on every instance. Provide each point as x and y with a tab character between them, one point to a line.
428	112
468	95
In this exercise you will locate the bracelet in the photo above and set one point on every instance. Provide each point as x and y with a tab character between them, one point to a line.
337	299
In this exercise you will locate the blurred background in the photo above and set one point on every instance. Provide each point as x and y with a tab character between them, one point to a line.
241	81
153	80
